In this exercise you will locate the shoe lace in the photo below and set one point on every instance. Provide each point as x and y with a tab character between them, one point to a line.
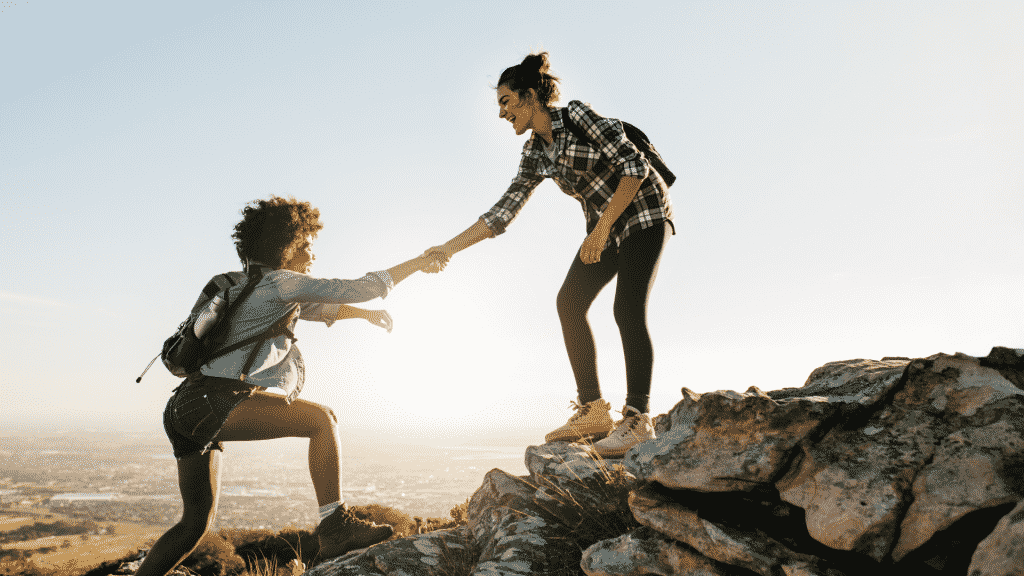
626	426
581	410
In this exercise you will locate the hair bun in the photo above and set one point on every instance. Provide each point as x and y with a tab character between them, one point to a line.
536	62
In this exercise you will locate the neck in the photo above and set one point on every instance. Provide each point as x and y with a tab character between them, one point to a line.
542	125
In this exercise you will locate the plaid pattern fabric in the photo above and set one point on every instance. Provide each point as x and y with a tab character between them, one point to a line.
587	174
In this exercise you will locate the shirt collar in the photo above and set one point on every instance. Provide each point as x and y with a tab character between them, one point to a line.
254	263
537	143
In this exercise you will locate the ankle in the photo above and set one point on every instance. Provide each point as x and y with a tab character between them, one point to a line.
328	509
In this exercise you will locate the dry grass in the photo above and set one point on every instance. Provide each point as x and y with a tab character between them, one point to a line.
585	511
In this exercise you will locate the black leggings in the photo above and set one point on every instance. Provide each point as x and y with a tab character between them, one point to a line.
636	265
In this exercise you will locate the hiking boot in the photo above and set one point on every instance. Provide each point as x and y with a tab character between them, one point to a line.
630	431
342	532
591	420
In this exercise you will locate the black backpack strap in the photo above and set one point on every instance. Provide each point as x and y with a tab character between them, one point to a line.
635	135
574	127
214	286
254	279
276	329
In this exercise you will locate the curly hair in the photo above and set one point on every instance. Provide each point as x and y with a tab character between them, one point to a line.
272	230
532	72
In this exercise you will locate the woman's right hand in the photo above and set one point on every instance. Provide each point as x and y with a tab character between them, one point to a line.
438	258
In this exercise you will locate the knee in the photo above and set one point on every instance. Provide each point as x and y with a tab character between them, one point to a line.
629	317
324	418
568	304
197	522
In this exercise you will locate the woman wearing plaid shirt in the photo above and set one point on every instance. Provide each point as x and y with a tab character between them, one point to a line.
628	215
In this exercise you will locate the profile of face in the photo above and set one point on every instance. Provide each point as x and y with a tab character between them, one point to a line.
302	259
519	110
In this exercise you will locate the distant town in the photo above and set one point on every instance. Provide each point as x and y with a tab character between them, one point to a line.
118	477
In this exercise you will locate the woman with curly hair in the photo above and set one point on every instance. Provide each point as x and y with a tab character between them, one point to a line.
226	399
628	216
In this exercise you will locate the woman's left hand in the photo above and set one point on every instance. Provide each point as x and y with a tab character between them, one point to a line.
590	252
380	318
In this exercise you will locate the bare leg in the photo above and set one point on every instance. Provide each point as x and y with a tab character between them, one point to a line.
199	483
267	416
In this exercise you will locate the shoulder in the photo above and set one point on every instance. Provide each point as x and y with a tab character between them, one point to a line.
223	281
235	276
579	110
282	275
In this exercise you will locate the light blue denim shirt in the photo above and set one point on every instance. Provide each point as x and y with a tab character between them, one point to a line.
278	362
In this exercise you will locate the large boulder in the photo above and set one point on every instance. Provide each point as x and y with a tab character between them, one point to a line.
972	467
727	441
866	479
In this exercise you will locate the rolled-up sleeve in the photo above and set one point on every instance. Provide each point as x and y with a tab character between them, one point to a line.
326	313
608	135
519	191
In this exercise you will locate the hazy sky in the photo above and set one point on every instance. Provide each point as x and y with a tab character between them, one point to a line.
851	185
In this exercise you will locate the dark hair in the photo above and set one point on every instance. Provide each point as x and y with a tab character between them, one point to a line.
532	72
271	230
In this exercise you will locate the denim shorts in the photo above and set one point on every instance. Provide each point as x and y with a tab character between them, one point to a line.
198	409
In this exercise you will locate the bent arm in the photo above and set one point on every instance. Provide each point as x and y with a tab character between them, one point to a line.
345	312
625	192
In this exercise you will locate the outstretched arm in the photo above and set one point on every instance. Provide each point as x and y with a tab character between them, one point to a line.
376	317
470	236
402	271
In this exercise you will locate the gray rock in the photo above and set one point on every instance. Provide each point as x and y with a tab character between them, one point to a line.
410	556
856	483
755	551
1002	552
969	469
646	552
727	441
565	460
571	479
862	382
508	525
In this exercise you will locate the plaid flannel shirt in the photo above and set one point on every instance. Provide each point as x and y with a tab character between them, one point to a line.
589	175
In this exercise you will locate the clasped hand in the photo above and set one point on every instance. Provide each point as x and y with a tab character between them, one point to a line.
435	260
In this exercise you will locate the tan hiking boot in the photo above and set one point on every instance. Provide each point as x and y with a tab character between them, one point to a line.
633	429
591	420
342	532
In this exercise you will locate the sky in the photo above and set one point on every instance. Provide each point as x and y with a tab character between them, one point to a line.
851	185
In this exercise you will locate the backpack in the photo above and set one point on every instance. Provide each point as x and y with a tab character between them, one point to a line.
184	353
635	135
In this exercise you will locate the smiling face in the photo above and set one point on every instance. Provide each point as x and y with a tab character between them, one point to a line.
517	110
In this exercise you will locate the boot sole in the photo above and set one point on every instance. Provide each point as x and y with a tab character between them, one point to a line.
348	546
590	437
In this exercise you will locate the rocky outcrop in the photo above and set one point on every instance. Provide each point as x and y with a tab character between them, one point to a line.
873	466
